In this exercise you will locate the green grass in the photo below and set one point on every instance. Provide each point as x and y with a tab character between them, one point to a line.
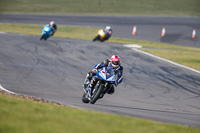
23	116
75	32
187	56
106	7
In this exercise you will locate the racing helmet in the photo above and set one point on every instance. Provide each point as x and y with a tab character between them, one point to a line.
108	28
115	61
51	23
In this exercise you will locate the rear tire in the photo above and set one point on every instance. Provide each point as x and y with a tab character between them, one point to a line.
84	99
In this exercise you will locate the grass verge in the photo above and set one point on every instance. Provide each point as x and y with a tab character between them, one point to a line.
18	115
106	7
187	56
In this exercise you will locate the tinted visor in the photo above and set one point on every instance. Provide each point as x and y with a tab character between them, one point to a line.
115	62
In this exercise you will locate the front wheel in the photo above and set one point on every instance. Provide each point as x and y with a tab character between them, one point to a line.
96	38
42	37
97	94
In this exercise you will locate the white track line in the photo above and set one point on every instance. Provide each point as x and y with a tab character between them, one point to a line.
137	50
7	90
2	32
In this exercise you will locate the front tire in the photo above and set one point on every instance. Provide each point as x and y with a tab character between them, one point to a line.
42	37
97	94
96	38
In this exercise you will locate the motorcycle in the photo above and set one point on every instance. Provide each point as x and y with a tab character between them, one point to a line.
46	32
102	36
103	80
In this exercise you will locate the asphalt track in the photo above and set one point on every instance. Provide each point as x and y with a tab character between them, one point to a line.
178	29
55	70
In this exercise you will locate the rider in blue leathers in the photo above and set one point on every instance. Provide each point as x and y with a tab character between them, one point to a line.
111	64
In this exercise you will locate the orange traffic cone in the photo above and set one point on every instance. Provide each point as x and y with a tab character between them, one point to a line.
163	32
194	33
134	30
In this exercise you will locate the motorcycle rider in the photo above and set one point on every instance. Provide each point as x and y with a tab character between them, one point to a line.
107	31
53	26
112	64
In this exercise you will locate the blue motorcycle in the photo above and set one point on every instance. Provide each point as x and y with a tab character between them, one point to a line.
46	32
103	80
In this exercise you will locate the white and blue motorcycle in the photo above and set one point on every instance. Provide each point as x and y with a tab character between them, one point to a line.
103	80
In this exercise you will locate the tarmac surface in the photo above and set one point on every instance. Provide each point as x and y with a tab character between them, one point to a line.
178	30
55	70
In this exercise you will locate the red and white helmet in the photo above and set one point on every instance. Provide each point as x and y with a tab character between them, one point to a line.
115	61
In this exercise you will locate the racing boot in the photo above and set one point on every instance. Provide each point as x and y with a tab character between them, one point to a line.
87	81
101	96
111	90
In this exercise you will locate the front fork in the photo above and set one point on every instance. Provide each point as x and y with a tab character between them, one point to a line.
92	88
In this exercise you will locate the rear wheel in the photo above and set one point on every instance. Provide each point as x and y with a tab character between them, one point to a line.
84	99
